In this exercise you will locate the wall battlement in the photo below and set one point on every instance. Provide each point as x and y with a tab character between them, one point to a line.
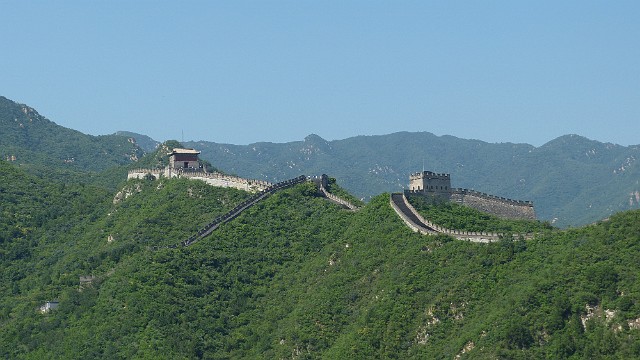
418	223
428	183
490	197
429	174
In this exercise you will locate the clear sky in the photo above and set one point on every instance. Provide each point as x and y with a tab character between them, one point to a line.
247	71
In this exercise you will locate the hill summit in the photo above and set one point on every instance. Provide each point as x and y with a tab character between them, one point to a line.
30	139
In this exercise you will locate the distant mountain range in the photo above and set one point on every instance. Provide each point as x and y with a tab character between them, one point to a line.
571	180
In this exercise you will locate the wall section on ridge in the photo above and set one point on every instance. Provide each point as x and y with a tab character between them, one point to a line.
501	207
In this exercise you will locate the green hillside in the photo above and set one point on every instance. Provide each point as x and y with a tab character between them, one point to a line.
145	142
297	277
47	149
571	180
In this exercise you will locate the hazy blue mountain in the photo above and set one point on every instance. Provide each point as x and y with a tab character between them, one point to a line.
572	180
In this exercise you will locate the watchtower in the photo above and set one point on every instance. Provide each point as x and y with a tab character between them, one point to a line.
430	183
184	159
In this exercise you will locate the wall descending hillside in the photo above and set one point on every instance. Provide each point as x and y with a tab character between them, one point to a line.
338	200
222	180
418	223
209	228
501	207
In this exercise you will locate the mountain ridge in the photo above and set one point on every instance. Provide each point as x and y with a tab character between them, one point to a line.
572	180
565	177
31	139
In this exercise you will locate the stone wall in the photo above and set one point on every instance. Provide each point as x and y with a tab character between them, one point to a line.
430	182
214	179
424	226
337	199
221	180
499	206
209	228
143	173
475	236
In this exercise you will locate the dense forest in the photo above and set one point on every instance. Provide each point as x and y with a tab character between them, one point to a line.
296	276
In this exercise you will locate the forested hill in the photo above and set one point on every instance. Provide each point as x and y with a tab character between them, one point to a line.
571	180
297	276
144	141
29	139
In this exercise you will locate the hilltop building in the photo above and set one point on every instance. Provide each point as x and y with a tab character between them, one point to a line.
438	186
185	163
184	159
431	183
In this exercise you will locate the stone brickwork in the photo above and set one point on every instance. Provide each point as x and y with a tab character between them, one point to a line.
338	200
211	178
209	228
418	223
438	187
430	183
498	206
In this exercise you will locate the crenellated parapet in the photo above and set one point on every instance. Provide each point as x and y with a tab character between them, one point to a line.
430	183
338	200
145	173
429	174
438	187
418	223
495	205
233	213
461	191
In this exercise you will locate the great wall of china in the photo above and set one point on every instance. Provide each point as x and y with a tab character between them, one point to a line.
232	214
438	186
417	223
398	202
211	178
184	164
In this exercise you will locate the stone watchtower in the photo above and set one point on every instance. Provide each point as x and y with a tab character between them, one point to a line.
430	183
184	159
438	186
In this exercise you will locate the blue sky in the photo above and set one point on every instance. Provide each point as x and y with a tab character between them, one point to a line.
247	71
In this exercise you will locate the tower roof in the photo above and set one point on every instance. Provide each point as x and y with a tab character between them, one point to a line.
184	151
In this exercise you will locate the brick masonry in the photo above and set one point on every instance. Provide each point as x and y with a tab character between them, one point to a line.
439	186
